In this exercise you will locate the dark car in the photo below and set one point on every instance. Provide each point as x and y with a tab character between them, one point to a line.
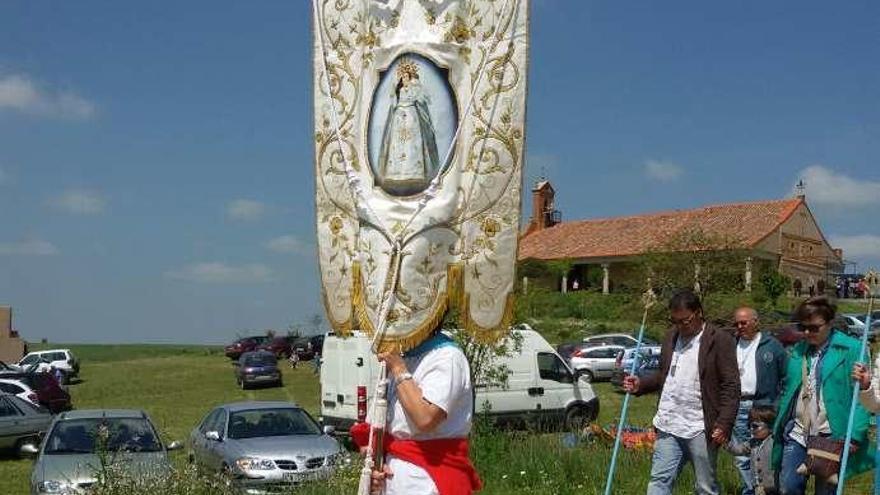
257	368
49	393
567	349
307	347
281	347
245	344
788	334
648	362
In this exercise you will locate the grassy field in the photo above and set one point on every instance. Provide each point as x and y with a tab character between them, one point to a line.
177	386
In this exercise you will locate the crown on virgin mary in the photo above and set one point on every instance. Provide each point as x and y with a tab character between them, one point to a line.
407	67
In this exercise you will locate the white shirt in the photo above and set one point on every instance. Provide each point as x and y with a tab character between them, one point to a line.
443	375
680	412
746	351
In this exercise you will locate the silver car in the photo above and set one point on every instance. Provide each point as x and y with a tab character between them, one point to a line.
69	460
264	447
595	362
21	423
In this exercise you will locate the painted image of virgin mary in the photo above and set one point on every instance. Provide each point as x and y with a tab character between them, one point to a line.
408	157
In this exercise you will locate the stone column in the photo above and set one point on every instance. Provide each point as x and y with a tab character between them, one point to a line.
525	285
748	274
565	283
697	287
606	279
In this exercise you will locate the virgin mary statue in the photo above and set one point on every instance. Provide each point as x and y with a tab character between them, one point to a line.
408	155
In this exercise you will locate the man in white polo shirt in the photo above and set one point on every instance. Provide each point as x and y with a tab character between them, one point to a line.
762	362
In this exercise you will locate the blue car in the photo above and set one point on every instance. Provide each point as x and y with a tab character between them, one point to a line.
257	368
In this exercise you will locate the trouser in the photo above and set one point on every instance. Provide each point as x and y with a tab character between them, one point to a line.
793	455
671	453
742	434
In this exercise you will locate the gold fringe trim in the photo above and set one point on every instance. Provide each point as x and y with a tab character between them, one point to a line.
343	328
456	297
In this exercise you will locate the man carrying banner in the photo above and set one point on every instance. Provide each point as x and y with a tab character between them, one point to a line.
430	407
700	387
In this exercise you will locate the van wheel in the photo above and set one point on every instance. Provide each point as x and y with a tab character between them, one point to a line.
577	418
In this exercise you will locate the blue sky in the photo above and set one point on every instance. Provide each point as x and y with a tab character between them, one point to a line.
155	157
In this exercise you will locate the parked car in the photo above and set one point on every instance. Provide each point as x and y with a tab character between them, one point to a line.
621	339
264	446
281	347
540	389
595	362
69	457
19	389
21	423
49	392
306	347
257	368
246	344
648	362
61	359
854	324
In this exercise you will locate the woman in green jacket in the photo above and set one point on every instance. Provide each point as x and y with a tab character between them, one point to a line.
820	406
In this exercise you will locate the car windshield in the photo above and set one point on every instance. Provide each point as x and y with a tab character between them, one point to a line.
88	436
33	358
256	423
260	360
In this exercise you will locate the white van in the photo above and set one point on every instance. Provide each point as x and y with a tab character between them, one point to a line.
541	389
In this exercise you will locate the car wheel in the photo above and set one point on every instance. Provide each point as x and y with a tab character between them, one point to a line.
587	374
577	418
226	476
242	384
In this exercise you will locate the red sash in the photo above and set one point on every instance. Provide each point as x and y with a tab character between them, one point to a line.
445	460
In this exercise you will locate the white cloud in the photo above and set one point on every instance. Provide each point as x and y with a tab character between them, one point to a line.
288	244
663	171
245	210
33	247
221	273
826	186
858	246
20	93
79	202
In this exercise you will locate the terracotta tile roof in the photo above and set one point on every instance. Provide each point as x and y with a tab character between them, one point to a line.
626	236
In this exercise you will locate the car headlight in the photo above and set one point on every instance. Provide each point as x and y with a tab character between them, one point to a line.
255	464
53	486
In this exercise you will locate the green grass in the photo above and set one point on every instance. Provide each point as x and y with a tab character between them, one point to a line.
179	386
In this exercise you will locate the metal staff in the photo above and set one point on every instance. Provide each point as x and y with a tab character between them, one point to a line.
855	393
649	299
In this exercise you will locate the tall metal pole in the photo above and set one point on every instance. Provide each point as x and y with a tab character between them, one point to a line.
855	399
609	481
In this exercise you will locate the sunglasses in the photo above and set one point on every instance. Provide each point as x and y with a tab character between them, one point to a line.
811	328
682	322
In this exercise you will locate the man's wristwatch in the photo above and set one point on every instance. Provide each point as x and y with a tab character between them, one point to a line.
406	375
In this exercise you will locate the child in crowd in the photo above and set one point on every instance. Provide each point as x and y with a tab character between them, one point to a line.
759	448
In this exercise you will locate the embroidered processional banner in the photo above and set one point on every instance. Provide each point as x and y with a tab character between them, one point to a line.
419	133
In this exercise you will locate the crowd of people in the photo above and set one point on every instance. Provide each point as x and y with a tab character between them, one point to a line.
782	413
